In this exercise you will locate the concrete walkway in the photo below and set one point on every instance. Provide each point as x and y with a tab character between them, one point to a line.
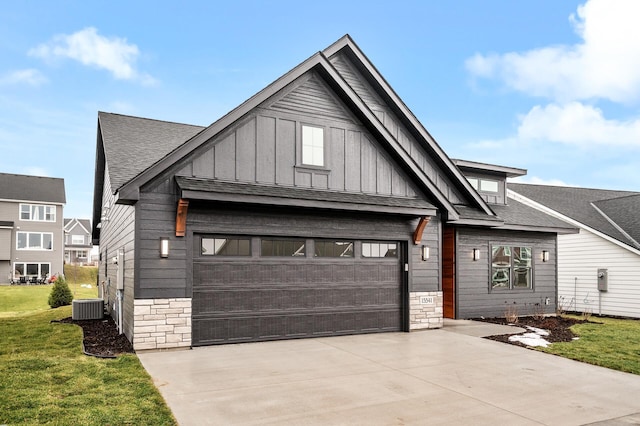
445	376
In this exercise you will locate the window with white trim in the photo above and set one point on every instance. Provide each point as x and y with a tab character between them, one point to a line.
38	212
23	269
312	146
34	240
77	239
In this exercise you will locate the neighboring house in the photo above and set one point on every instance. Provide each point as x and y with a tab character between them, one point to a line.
320	206
31	238
78	241
599	267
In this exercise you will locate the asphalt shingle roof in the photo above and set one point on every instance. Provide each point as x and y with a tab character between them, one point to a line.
578	204
133	144
32	188
518	214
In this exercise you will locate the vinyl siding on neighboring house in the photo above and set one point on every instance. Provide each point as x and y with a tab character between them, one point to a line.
579	258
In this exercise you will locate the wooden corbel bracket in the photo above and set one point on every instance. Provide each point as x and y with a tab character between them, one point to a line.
417	235
181	217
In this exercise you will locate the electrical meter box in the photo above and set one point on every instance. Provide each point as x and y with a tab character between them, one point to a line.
603	279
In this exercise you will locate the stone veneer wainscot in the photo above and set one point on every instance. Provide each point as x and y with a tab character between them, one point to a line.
425	315
162	323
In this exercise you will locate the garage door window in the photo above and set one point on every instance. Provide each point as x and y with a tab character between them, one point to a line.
378	250
226	247
283	248
325	248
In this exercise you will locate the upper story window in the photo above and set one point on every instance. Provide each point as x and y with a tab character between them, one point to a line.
77	239
485	185
34	241
38	212
312	146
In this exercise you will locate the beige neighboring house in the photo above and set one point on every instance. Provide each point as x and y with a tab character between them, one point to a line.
77	241
31	222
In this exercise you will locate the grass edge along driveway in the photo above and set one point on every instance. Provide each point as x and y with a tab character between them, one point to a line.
46	379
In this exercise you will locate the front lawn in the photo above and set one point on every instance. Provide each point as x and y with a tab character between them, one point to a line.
17	300
45	378
607	342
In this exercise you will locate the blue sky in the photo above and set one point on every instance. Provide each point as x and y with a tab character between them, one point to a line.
549	86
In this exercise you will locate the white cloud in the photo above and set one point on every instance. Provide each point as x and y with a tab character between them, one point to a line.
606	64
36	171
30	76
578	124
88	47
539	181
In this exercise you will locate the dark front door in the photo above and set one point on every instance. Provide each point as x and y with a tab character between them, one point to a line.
449	271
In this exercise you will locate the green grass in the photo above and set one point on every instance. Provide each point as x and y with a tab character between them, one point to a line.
45	378
19	300
607	342
81	274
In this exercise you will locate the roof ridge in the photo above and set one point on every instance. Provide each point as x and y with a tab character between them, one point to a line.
577	187
30	176
150	119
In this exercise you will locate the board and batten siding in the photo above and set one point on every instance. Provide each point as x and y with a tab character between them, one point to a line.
117	233
474	296
265	148
391	122
579	258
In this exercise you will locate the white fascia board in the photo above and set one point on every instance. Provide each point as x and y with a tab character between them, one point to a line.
541	207
50	203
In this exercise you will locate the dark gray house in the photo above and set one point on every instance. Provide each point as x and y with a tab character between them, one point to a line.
320	206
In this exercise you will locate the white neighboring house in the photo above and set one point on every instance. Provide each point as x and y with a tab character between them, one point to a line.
605	252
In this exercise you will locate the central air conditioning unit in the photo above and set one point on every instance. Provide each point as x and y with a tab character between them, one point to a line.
87	309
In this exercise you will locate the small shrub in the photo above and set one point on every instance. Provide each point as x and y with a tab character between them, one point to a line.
511	313
563	306
60	293
538	311
587	314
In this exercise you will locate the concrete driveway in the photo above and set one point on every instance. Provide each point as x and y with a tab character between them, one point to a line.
447	376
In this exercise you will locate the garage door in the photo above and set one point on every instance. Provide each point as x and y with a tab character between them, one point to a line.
256	289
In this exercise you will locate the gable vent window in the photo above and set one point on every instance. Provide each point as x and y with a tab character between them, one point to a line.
313	146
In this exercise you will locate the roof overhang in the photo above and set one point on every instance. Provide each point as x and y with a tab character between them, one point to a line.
492	168
553	230
244	193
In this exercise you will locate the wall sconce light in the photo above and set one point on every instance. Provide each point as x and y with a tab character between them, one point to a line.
164	247
425	252
476	254
545	256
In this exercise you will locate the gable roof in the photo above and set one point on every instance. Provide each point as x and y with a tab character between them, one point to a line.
137	143
32	188
613	213
127	176
70	224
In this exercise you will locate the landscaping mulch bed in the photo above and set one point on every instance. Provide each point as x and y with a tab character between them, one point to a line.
558	328
101	337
